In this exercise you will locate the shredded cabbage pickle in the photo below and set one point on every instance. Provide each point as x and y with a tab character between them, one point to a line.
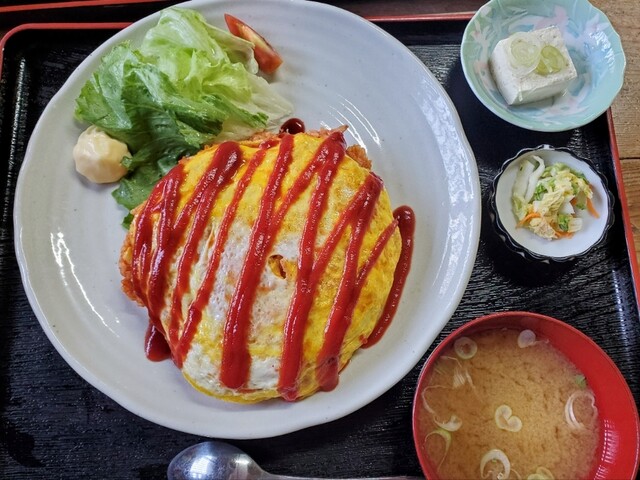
546	199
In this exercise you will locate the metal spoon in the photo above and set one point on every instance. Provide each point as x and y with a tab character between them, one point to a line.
214	460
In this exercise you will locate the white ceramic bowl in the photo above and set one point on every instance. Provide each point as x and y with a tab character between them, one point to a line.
593	45
530	245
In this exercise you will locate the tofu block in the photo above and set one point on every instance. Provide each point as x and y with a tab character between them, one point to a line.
518	87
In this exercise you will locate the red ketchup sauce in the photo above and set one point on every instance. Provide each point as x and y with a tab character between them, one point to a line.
292	126
166	227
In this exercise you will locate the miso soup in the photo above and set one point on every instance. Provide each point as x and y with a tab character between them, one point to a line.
503	404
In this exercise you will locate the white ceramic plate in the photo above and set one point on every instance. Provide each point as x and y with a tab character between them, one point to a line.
338	69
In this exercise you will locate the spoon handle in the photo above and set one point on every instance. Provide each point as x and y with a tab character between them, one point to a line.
401	477
270	476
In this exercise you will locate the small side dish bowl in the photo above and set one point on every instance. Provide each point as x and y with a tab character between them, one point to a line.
593	45
528	244
617	442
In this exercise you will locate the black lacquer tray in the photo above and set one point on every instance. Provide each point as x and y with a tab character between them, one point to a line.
17	12
55	425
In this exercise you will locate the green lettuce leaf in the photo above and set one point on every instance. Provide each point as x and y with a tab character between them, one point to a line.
187	85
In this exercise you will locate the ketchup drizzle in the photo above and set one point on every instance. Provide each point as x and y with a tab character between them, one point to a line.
154	247
329	155
204	292
349	289
407	224
222	167
156	347
235	356
149	268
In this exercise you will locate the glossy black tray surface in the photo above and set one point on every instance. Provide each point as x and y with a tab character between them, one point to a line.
17	12
55	425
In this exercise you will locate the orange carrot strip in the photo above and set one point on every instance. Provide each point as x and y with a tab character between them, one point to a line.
528	217
562	234
592	208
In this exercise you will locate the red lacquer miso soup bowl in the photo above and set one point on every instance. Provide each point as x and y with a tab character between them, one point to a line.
524	396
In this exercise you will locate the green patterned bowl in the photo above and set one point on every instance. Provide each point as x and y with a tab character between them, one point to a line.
593	44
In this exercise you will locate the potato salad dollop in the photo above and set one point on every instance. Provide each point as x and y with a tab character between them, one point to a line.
98	157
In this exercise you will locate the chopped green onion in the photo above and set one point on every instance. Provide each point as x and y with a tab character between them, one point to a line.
460	374
498	456
465	348
551	61
526	338
425	404
505	419
461	377
523	52
452	425
541	473
581	381
446	436
569	413
454	359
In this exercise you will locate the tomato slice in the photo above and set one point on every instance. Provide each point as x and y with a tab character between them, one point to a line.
266	56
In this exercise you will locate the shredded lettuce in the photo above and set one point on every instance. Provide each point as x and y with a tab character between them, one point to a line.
188	84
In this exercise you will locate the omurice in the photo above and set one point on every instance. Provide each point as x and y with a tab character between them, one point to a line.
265	264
